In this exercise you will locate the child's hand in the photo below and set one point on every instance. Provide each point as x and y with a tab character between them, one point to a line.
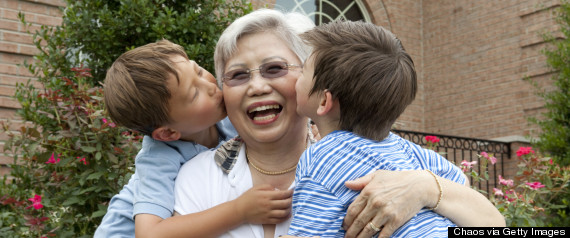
263	204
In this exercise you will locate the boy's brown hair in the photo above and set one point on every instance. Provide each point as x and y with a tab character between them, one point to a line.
366	68
135	88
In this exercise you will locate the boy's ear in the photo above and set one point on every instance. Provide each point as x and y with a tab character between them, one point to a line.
326	103
165	134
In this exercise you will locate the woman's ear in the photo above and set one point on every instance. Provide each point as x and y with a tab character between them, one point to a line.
326	104
165	134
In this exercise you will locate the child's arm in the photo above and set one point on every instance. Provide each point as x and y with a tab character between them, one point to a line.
259	205
316	210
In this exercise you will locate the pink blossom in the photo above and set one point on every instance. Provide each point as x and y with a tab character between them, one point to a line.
432	139
465	166
550	161
498	192
52	160
112	124
535	185
484	154
493	160
83	160
507	182
524	150
512	197
36	202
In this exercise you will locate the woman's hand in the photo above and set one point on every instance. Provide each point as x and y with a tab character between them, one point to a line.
391	198
262	204
388	200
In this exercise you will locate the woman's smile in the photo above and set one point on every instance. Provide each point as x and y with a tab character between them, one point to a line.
262	113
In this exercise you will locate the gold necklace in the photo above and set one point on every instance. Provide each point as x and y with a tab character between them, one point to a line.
268	172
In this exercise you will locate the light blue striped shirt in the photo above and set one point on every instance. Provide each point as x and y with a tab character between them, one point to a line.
320	200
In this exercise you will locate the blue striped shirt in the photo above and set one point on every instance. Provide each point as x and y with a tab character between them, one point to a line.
320	200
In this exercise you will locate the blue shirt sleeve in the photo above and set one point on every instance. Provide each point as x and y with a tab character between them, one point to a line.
151	188
157	166
316	211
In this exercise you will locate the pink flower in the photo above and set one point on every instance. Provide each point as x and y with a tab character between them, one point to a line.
112	124
490	158
498	192
52	160
432	139
535	185
83	160
507	182
36	202
524	150
550	161
493	160
465	166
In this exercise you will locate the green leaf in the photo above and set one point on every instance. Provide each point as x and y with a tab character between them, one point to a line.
98	213
71	201
88	149
95	175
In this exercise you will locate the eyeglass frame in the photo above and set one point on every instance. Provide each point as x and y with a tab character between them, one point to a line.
226	78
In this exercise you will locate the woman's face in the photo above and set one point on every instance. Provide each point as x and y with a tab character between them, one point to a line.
263	109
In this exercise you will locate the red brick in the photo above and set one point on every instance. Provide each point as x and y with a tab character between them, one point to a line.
9	69
48	20
10	4
7	91
33	7
17	37
14	58
8	47
9	25
9	14
9	102
28	50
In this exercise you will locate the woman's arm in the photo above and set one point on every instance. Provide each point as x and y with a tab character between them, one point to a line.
391	198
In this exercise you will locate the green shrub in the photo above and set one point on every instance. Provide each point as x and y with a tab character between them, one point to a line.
554	137
69	159
72	157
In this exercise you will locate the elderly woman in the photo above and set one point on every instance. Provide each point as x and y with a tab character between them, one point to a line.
258	60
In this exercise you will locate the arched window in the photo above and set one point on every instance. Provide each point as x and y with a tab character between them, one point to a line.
323	11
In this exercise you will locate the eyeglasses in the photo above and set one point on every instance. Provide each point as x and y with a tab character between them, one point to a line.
268	70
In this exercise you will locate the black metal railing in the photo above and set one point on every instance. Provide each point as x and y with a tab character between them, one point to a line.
457	149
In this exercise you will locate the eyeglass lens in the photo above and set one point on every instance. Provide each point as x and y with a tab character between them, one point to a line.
268	70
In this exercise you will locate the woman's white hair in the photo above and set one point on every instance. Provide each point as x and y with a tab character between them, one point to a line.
286	26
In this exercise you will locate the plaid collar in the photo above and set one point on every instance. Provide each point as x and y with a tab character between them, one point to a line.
226	155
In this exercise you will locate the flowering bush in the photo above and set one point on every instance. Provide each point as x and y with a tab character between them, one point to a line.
67	165
538	194
68	153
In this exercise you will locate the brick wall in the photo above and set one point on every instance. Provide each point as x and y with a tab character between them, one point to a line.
16	46
476	54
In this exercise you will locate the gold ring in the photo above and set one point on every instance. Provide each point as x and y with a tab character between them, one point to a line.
373	227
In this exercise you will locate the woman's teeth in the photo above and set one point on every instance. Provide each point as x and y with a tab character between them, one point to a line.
268	117
263	108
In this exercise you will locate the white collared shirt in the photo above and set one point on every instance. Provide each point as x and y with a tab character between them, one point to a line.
201	184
